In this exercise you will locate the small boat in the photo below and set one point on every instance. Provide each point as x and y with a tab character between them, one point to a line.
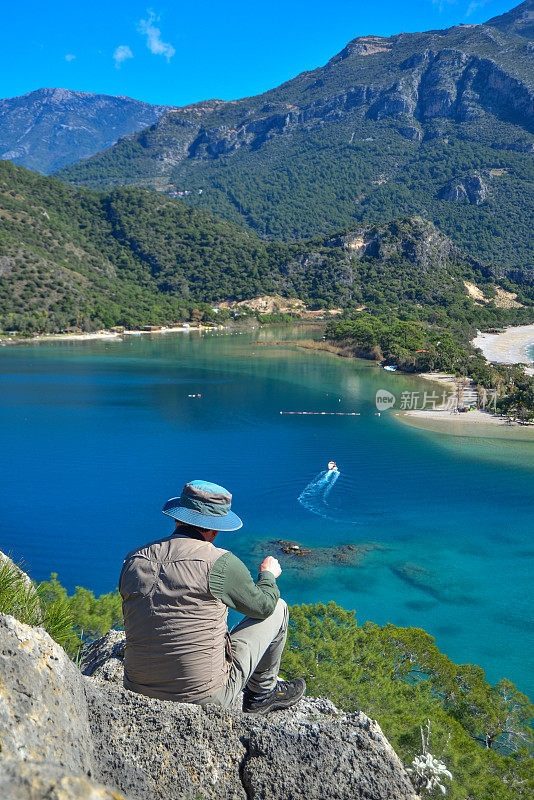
332	465
390	369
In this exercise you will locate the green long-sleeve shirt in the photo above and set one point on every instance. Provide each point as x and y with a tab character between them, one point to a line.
231	582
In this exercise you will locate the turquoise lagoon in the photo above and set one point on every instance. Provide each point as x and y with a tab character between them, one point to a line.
97	435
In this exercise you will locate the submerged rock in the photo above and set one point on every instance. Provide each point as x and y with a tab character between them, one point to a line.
66	735
417	576
292	553
431	583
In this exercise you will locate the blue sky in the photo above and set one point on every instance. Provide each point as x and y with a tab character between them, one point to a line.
177	53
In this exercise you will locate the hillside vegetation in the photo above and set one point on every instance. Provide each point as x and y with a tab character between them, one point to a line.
77	258
82	259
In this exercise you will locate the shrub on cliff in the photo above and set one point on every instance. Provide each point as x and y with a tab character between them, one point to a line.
33	605
69	620
90	616
398	676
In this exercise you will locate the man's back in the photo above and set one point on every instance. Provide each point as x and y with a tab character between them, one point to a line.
176	593
175	627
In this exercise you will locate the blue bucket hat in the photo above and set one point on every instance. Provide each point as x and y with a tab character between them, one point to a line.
205	505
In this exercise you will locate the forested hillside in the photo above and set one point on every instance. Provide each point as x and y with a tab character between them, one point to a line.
438	123
131	256
70	258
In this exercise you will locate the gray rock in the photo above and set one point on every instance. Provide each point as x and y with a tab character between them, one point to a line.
411	132
472	190
316	756
30	780
477	191
66	735
104	657
174	751
163	750
43	711
284	756
455	193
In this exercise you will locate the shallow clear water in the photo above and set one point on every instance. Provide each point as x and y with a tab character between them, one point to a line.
97	435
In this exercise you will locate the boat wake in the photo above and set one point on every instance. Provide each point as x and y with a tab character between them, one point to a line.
314	496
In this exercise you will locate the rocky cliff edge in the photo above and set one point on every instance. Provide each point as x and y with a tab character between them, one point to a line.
71	733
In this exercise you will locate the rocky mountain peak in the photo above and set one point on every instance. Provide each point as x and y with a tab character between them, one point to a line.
520	20
364	46
57	95
52	127
389	126
202	107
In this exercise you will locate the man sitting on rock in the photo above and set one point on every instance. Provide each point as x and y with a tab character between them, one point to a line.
176	593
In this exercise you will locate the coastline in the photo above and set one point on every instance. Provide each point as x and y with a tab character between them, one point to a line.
475	422
500	347
508	347
310	344
114	335
488	427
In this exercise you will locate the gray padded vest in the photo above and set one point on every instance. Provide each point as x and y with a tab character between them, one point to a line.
175	628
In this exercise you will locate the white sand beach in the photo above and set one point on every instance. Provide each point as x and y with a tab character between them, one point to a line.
443	378
475	423
62	337
509	347
473	417
83	337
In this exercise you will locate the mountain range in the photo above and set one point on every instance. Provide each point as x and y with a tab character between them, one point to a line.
416	148
438	123
51	128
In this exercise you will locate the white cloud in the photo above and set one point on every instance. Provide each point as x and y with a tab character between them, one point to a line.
122	53
153	37
475	5
70	57
441	4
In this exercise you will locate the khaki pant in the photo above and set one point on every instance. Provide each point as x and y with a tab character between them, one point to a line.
257	647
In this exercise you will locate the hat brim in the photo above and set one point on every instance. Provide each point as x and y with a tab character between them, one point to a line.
230	521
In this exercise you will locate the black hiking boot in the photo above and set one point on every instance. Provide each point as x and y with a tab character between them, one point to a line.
284	695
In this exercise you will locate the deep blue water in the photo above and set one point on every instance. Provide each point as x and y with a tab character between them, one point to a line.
97	435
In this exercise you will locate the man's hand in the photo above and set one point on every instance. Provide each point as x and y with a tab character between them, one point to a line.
271	564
